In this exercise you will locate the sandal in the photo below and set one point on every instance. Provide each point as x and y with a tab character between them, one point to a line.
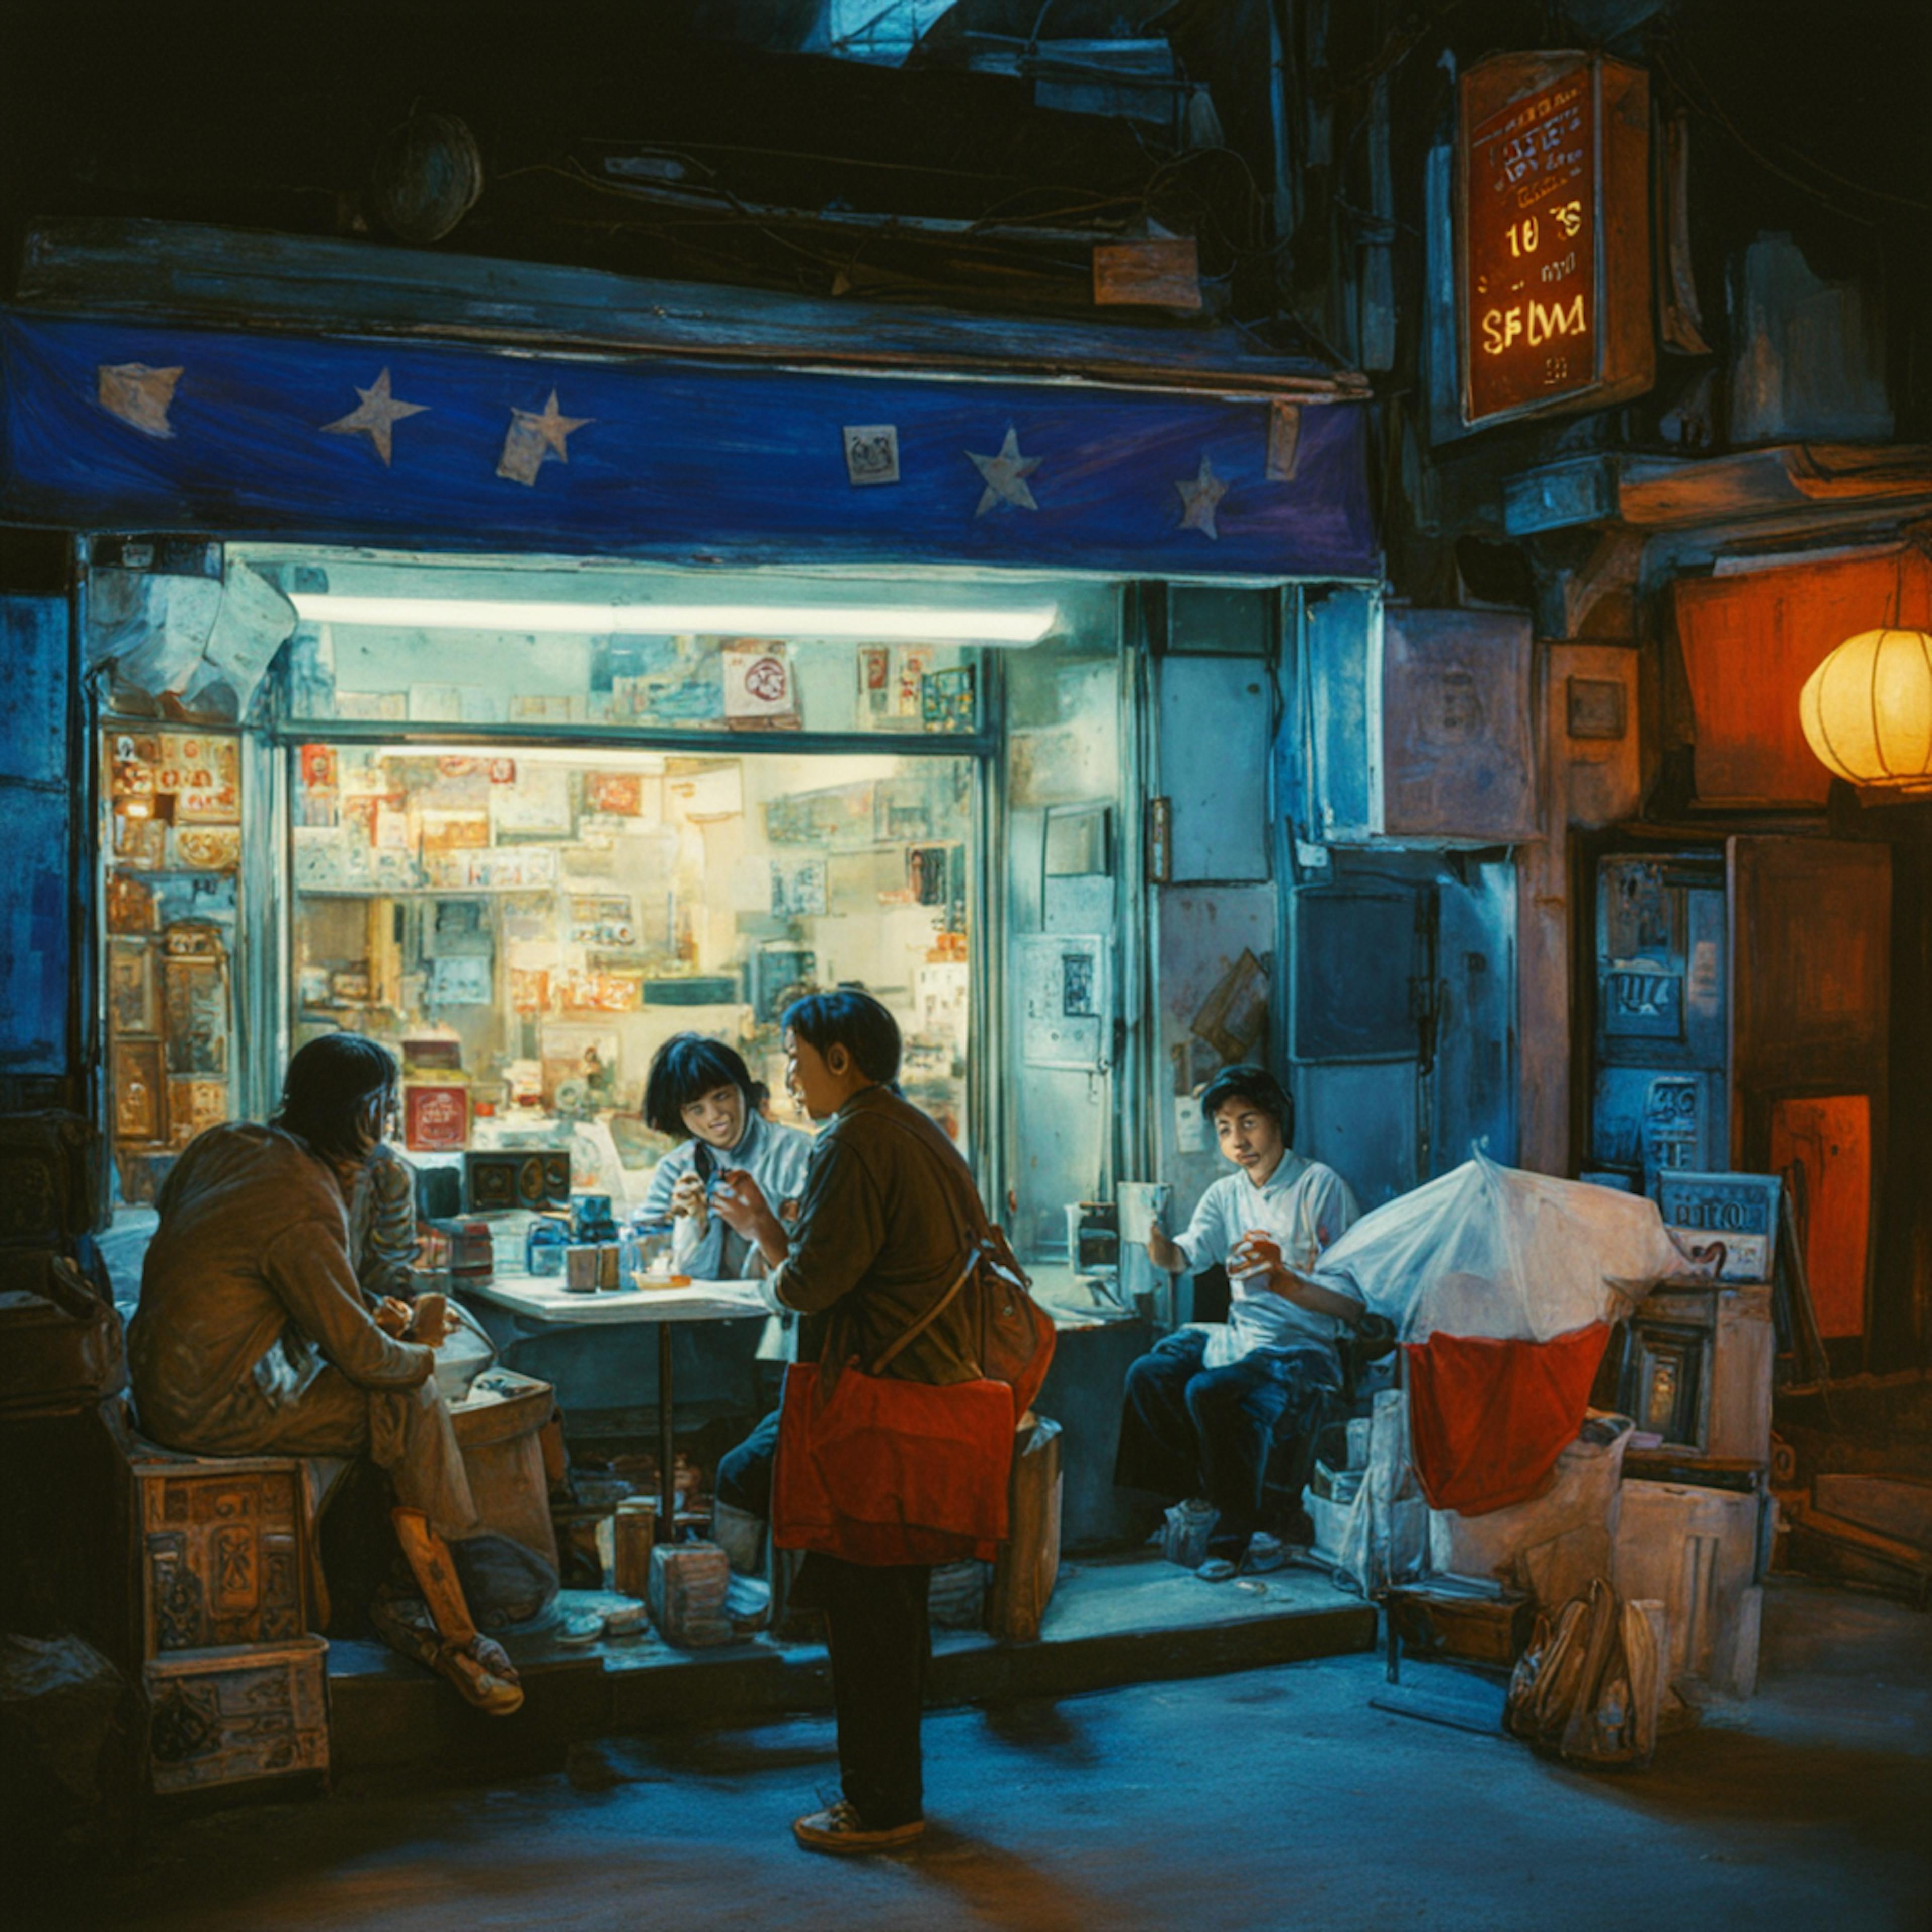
480	1669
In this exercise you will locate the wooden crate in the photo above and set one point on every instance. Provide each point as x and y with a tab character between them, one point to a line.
219	1716
224	1551
1441	1619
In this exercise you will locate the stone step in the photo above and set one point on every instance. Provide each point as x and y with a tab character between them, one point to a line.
1113	1621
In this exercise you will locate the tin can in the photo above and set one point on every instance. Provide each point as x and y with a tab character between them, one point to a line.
608	1273
579	1267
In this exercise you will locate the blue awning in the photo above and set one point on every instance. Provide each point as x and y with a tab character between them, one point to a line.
121	421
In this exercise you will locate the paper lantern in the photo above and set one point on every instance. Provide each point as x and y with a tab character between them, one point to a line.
1867	710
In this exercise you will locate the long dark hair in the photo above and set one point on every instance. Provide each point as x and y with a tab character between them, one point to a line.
327	1088
684	1069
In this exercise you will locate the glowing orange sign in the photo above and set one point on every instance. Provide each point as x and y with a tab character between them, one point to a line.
1553	234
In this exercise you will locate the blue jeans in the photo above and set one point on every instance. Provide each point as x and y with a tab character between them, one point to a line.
1190	1430
745	1473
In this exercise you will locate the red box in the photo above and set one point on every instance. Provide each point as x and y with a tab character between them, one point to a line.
436	1116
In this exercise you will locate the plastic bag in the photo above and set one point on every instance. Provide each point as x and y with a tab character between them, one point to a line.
1495	1251
1589	1688
1385	1538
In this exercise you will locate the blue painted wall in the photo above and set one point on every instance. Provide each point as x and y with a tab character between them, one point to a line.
40	888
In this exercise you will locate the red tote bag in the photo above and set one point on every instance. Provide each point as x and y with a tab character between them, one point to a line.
882	1471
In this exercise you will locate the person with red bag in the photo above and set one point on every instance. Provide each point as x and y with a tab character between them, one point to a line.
918	1351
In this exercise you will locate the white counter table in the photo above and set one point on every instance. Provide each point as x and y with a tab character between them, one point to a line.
540	1303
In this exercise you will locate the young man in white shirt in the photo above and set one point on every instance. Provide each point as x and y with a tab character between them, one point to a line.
1204	1407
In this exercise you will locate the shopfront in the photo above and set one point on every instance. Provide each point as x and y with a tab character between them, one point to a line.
522	708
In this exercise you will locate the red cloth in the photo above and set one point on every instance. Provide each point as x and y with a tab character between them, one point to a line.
1487	1419
885	1471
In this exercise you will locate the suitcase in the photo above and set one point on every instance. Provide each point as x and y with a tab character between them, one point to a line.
51	1179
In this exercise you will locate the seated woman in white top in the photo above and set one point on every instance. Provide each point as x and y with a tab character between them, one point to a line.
700	1093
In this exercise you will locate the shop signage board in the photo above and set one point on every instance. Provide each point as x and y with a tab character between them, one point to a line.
1553	236
1738	1211
662	459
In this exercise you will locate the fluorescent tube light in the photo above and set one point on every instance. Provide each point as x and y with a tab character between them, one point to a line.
917	623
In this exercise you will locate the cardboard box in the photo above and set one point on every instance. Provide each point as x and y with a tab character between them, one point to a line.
222	1716
223	1551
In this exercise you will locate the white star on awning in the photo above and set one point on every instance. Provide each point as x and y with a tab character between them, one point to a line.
375	417
1199	500
1006	474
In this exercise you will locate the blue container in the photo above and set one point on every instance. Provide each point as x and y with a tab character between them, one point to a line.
544	1243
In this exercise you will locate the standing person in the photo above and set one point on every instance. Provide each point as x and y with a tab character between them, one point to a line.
252	1337
1202	1409
701	1094
877	1245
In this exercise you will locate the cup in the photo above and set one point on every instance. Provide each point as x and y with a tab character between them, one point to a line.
1142	1203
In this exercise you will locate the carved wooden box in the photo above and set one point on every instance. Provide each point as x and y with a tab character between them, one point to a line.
218	1716
223	1552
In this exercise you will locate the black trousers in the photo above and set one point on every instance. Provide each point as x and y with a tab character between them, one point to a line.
880	1647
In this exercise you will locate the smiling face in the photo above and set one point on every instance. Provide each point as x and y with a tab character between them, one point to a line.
717	1117
1249	1137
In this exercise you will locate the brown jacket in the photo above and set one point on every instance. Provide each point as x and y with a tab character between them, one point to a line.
880	1236
248	1295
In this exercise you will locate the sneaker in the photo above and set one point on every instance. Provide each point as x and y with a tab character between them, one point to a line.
838	1829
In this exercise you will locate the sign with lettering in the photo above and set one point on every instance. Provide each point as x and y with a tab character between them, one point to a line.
1643	1004
1553	234
1728	1220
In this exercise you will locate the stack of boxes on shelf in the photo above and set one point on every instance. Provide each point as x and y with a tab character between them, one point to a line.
1697	1514
236	1681
60	1338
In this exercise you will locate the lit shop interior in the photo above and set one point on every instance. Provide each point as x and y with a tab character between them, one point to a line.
523	824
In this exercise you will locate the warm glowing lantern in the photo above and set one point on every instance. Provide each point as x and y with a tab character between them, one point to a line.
1867	710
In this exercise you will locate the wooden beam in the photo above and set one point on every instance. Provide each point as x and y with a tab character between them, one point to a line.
161	271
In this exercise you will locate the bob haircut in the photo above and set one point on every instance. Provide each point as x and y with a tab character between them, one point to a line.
1259	1088
853	1020
684	1069
326	1090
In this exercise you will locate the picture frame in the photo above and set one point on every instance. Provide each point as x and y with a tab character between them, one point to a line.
133	987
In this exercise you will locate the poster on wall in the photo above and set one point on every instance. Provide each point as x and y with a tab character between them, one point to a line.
799	888
1066	999
760	687
605	919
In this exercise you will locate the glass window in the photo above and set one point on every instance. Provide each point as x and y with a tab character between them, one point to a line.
171	893
685	681
525	927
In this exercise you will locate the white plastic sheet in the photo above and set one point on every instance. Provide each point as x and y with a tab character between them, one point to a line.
1488	1250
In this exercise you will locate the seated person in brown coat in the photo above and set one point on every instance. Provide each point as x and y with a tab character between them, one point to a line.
252	1337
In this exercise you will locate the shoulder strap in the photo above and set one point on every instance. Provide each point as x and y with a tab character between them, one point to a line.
931	1315
974	1243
